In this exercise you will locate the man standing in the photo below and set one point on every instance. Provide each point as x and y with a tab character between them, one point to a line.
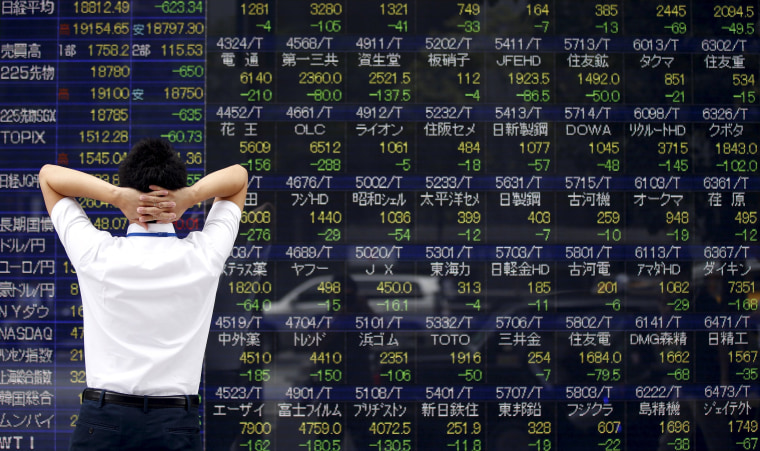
148	297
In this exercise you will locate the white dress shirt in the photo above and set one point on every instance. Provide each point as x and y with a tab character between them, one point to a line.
148	300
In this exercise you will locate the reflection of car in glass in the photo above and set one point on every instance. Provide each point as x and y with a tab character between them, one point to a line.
407	295
385	294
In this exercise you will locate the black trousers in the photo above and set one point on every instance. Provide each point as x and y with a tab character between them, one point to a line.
113	427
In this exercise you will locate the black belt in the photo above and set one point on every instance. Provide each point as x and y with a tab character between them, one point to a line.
149	402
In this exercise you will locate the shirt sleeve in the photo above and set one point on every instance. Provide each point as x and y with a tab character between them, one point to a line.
221	227
77	234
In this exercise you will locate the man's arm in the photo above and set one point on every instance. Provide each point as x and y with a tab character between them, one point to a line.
58	182
230	183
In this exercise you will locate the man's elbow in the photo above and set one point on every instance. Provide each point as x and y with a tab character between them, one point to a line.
50	195
45	174
45	171
241	177
242	172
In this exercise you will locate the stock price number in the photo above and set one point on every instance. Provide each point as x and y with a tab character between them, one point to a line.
390	78
673	148
250	287
602	373
466	445
463	428
394	9
255	8
460	428
186	50
390	428
255	147
104	136
747	300
184	93
326	358
110	93
181	6
607	11
677	217
539	427
320	428
101	28
255	427
748	358
106	223
255	358
610	427
529	78
679	288
258	164
675	427
751	426
392	445
101	158
743	288
109	114
111	71
466	358
102	7
185	136
322	445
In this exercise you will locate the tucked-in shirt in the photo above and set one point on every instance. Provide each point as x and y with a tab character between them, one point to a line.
148	300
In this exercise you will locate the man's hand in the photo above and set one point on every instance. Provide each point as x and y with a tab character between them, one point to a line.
162	205
165	206
128	201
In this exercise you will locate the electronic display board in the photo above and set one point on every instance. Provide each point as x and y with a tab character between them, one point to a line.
484	225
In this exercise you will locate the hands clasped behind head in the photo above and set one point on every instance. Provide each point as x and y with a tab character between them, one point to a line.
157	205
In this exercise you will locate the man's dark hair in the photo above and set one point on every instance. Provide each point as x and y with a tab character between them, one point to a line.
152	161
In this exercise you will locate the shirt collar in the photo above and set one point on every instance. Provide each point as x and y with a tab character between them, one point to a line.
154	229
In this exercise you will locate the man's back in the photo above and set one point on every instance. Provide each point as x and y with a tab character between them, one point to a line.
148	298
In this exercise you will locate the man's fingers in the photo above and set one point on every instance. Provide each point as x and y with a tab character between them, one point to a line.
148	214
165	205
157	191
158	210
165	217
153	198
154	208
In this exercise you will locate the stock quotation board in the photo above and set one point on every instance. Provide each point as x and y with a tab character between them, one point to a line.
470	225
